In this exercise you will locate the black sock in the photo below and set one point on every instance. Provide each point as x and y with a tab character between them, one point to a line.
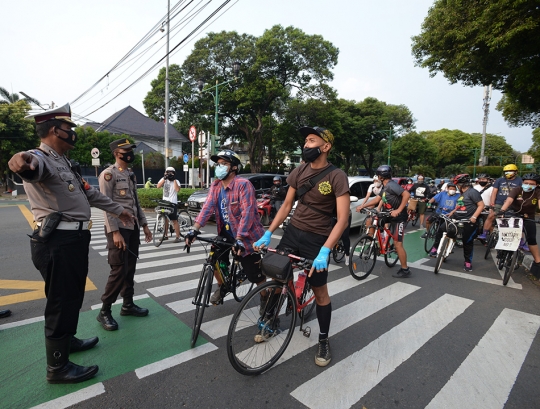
324	315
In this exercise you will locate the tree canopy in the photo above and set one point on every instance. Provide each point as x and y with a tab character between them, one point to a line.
486	42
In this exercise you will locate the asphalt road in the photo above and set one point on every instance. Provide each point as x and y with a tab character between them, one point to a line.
454	339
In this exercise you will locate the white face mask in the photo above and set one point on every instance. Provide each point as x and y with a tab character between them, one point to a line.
452	192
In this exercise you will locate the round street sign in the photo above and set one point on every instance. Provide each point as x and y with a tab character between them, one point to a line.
186	158
192	133
95	153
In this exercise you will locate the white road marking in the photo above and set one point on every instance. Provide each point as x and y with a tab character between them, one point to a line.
175	272
22	322
73	398
486	377
380	358
167	363
135	298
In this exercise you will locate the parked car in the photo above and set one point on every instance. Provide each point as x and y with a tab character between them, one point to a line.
92	181
262	182
358	186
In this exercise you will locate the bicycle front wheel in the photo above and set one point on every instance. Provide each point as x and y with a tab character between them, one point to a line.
430	237
159	230
440	256
492	240
338	252
503	254
390	255
256	341
184	222
362	258
241	284
416	216
202	296
511	266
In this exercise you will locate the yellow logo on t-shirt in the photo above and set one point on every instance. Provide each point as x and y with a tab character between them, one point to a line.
325	188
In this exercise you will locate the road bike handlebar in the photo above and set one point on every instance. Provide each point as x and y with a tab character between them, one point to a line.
298	262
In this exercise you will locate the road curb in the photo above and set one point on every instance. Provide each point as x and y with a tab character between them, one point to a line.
527	263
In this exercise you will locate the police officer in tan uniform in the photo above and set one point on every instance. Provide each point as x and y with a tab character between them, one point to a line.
60	201
119	183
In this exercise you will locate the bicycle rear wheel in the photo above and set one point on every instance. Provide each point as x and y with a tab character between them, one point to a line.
241	284
415	218
306	295
159	230
492	240
440	256
362	258
338	252
510	267
430	238
202	297
390	256
184	222
255	342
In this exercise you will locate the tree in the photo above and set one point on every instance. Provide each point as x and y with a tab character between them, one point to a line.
87	139
8	98
413	149
16	133
486	42
534	150
280	64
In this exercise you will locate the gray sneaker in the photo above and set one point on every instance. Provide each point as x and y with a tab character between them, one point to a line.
323	357
402	273
216	297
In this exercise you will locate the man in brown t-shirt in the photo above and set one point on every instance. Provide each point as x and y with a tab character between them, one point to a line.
524	200
320	218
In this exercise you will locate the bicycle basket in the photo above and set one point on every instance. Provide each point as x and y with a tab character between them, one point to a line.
277	267
413	203
163	209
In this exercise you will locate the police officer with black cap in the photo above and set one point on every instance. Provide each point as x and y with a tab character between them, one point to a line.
60	200
119	183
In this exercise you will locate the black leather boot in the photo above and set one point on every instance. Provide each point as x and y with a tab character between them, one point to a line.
5	313
79	345
107	321
128	308
59	368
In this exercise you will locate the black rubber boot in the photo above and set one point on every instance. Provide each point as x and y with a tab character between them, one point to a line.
59	368
79	345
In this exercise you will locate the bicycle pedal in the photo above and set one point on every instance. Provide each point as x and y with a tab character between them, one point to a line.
307	332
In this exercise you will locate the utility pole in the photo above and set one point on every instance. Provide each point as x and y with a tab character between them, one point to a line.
167	90
487	99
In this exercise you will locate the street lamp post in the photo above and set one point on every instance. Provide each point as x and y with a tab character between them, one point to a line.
388	133
216	91
475	150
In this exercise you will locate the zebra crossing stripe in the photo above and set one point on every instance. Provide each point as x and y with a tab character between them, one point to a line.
219	327
175	272
162	253
380	358
175	260
73	398
174	360
498	357
173	288
120	301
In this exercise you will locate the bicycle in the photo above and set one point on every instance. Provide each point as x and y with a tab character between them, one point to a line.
163	210
447	243
234	281
338	252
432	233
365	251
274	319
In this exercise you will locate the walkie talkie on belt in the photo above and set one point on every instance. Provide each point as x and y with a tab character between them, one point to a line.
49	224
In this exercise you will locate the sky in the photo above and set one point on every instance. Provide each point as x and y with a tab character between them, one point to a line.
55	50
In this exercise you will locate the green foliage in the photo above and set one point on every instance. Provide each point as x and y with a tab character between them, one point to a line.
486	42
146	196
87	139
534	150
425	170
154	160
16	133
492	171
412	149
453	170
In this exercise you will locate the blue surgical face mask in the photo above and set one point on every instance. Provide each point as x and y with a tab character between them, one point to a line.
527	188
222	171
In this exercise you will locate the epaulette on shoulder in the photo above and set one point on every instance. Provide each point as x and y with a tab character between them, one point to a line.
40	151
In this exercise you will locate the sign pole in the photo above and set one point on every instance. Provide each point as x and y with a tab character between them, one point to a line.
192	138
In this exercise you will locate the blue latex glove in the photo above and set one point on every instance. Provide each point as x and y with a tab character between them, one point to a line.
321	261
264	240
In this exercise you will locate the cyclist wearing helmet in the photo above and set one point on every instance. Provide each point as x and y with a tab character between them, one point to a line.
312	232
469	206
171	187
394	199
374	189
501	189
420	191
234	203
525	201
446	202
278	193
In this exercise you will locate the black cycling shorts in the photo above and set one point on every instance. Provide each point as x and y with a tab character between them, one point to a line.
174	214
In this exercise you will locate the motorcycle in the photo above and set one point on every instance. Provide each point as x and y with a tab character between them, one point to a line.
266	209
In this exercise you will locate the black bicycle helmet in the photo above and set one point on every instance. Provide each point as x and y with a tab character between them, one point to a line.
228	155
481	176
384	172
464	178
531	176
449	185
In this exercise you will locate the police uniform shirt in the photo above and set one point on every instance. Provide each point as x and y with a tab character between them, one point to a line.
115	183
54	187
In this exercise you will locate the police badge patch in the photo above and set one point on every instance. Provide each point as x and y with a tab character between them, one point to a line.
107	176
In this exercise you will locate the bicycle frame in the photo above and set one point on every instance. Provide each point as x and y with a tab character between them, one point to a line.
379	229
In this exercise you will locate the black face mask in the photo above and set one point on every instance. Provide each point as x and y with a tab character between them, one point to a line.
71	136
128	157
311	154
482	183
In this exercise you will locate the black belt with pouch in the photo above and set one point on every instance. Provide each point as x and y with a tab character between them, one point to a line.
48	225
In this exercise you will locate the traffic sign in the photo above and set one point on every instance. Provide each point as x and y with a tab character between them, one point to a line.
186	168
95	153
186	158
192	133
